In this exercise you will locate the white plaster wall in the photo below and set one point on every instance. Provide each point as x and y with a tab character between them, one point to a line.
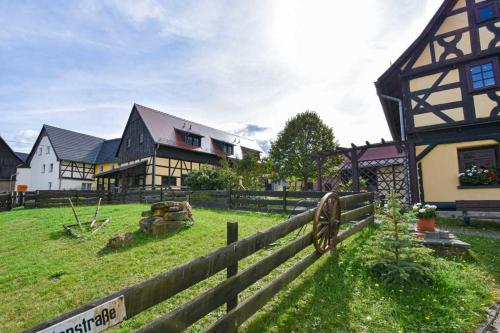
39	179
23	177
72	184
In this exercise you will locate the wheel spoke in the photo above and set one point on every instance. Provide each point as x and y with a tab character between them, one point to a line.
322	231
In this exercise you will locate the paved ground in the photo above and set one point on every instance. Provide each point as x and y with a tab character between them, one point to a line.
473	232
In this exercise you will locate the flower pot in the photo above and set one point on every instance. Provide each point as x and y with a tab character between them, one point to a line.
426	224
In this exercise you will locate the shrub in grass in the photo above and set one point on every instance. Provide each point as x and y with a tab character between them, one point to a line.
393	254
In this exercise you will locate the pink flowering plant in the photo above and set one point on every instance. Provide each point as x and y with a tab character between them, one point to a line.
424	211
479	176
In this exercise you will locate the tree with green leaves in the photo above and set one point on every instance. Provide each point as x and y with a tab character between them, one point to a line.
303	136
250	170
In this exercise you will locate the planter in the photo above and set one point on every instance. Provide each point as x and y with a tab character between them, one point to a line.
426	224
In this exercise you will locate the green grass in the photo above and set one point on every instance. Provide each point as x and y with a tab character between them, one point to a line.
44	273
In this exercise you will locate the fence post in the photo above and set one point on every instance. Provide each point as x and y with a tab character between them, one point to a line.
161	193
37	198
355	169
9	201
230	199
284	199
232	237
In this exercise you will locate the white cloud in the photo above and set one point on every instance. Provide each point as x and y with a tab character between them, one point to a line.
241	62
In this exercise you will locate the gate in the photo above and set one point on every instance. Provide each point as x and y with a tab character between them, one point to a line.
378	168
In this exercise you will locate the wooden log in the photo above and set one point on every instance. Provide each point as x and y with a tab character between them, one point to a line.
355	199
355	214
252	304
355	228
197	308
144	295
247	201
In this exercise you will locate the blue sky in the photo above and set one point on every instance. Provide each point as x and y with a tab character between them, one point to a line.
241	66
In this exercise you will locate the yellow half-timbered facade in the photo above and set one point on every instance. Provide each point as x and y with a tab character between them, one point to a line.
159	149
448	85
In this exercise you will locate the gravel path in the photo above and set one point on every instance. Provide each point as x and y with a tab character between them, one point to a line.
473	232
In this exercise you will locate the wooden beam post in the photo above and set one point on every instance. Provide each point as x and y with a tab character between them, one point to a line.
413	172
232	237
319	168
355	169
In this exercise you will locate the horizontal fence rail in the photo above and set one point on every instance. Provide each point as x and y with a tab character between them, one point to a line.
287	202
142	296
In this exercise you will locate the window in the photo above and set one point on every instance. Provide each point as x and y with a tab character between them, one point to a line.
51	168
141	138
50	185
183	180
48	150
484	158
192	139
486	12
227	148
168	181
483	75
86	186
43	168
129	141
40	151
101	168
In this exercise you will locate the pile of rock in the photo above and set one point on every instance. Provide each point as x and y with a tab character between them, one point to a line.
167	216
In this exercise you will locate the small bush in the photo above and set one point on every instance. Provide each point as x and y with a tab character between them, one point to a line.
393	254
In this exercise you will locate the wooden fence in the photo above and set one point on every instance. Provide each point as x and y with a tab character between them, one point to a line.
5	202
140	297
264	201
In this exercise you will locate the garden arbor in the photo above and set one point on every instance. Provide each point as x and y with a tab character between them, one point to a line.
377	167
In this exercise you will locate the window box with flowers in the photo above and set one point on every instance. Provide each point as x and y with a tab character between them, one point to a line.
477	177
426	217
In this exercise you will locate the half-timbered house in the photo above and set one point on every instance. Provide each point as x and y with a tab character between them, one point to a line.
448	86
61	159
159	149
9	161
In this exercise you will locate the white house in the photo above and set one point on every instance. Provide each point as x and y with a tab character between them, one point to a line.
60	160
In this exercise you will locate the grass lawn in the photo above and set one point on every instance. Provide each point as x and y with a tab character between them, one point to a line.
44	273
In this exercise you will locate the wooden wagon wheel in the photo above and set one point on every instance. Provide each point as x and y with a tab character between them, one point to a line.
326	222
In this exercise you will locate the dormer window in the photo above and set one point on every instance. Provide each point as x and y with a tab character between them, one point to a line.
487	12
129	142
227	148
141	138
192	139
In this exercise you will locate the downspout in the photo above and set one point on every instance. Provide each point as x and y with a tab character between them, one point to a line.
401	115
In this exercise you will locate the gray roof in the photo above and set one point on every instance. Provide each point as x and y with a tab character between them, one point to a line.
107	152
78	147
73	146
22	156
163	128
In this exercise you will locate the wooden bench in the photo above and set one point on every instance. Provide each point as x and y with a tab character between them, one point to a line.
477	205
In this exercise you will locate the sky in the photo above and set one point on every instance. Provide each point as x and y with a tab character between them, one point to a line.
243	66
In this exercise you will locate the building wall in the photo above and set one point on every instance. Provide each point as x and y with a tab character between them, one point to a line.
37	179
440	169
105	167
5	186
74	184
437	84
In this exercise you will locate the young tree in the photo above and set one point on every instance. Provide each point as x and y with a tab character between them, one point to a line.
250	170
303	135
